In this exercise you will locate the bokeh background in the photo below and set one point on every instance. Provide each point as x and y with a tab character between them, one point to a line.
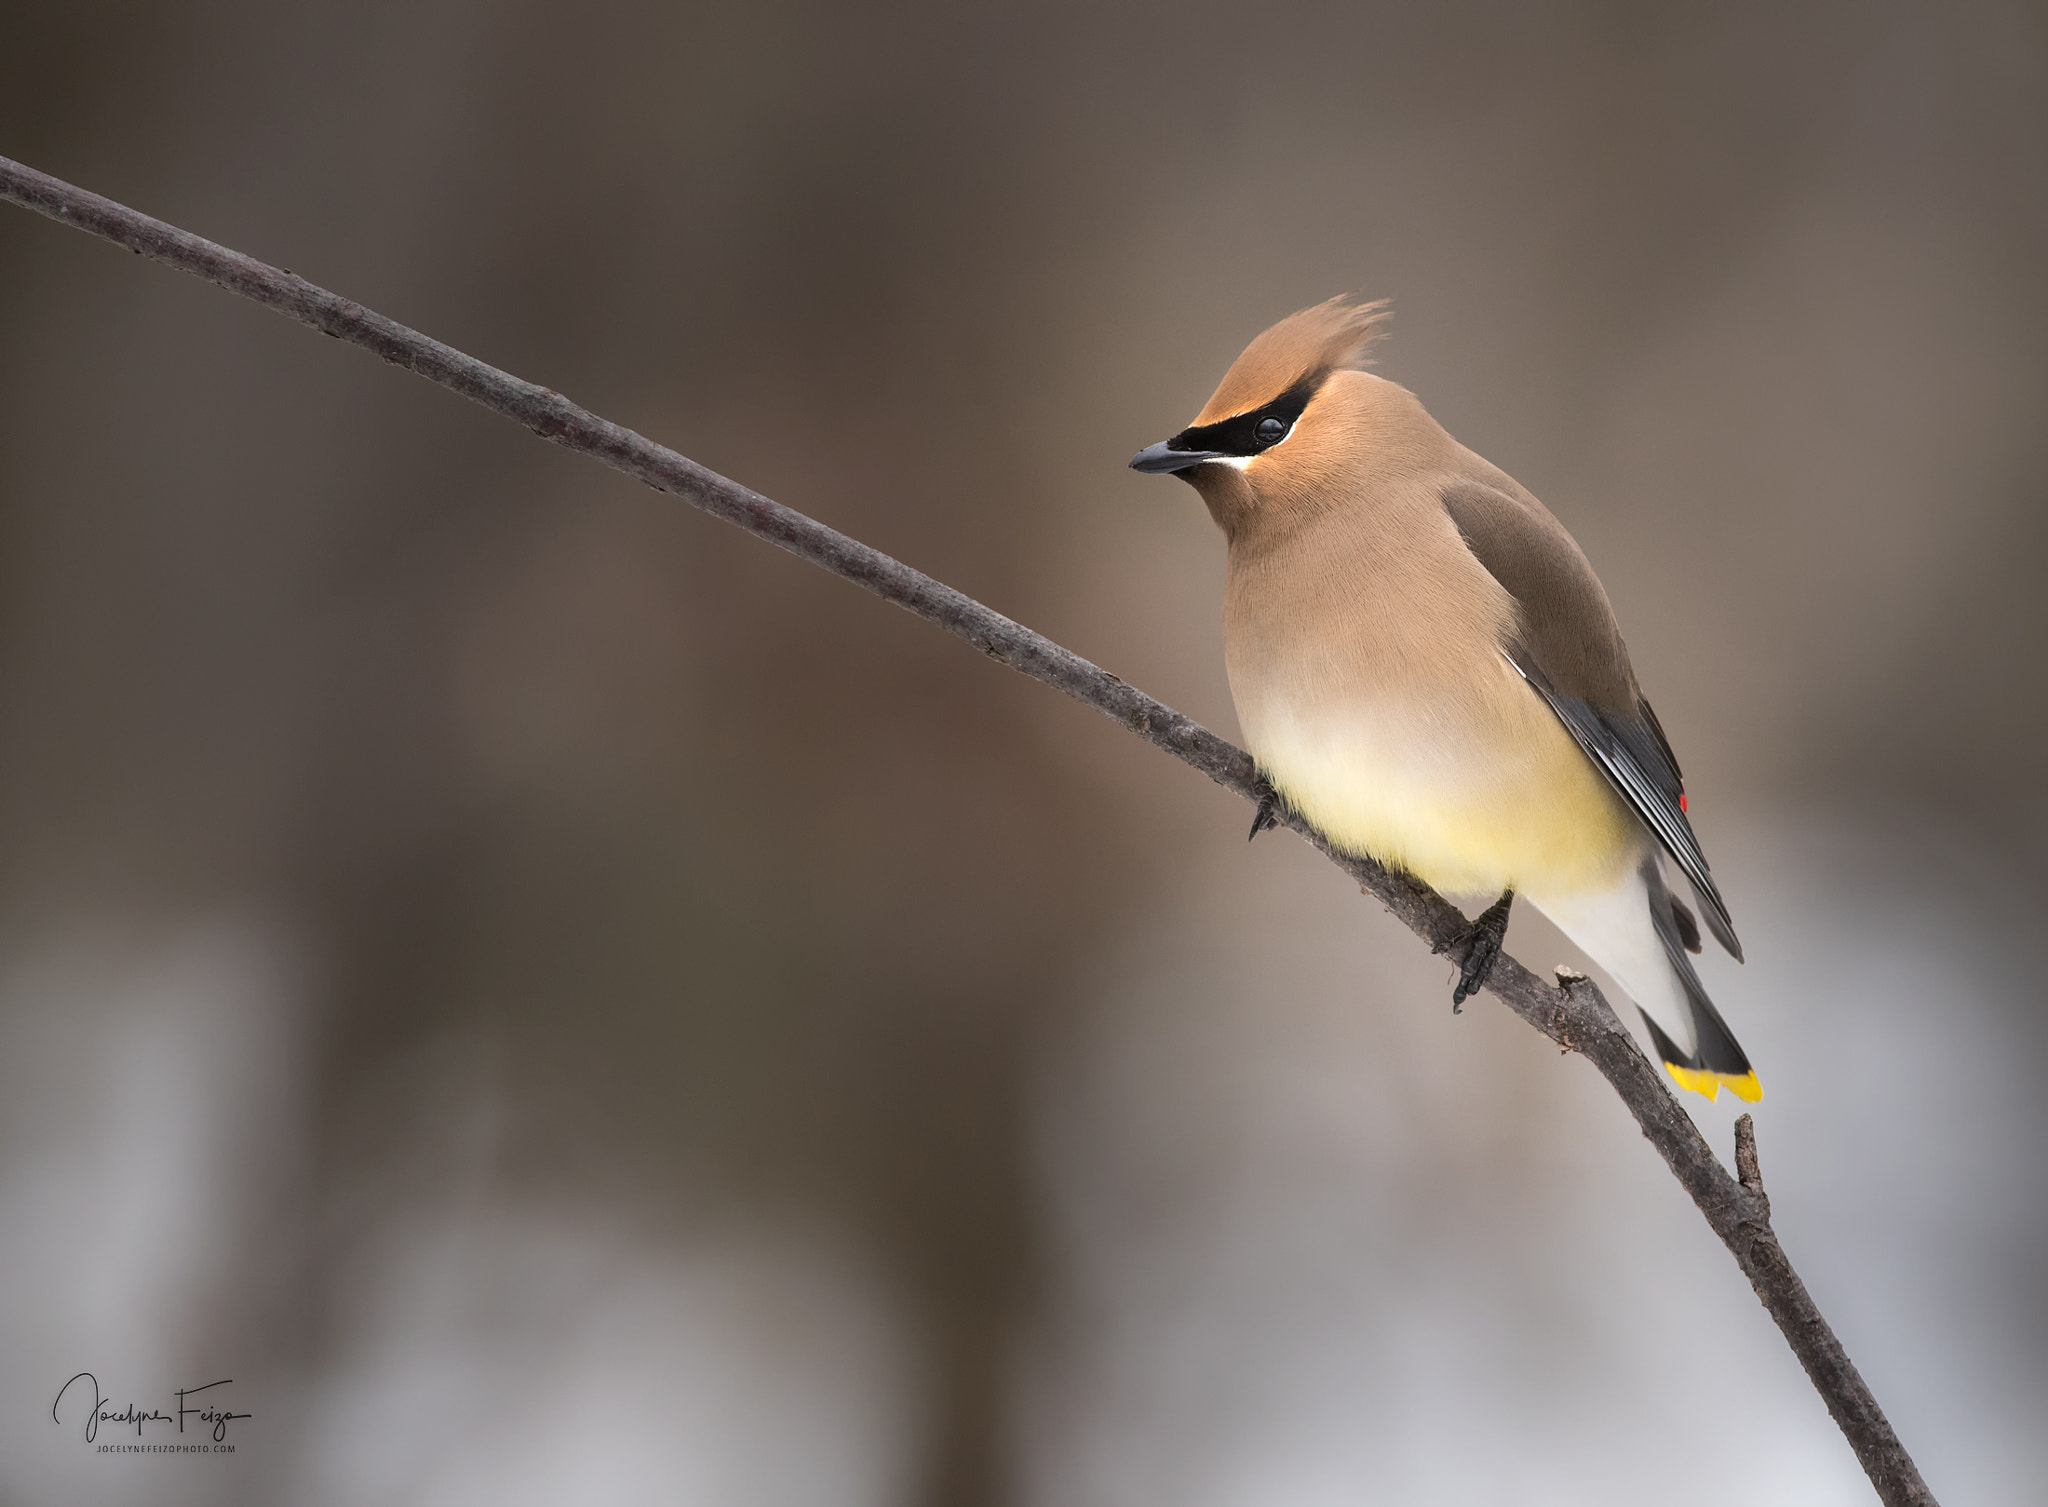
563	1003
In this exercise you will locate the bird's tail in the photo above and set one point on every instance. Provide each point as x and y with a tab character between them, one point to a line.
1641	933
1716	1059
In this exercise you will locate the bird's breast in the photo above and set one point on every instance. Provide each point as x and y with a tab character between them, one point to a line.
1388	715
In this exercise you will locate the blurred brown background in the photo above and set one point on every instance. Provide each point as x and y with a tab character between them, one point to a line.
564	1003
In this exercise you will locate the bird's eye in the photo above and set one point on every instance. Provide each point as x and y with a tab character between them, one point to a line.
1271	430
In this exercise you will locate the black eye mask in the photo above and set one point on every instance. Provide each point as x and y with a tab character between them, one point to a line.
1245	434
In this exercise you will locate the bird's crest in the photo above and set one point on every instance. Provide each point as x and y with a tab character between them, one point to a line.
1303	348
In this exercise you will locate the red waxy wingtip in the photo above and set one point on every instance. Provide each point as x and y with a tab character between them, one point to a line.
1681	800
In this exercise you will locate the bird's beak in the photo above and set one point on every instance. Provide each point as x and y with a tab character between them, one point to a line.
1158	460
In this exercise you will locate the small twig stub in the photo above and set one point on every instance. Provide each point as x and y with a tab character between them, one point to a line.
1747	1171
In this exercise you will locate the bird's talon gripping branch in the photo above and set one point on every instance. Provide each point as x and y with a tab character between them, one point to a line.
1480	943
1269	801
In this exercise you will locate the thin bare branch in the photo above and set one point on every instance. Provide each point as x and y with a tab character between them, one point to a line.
1574	1014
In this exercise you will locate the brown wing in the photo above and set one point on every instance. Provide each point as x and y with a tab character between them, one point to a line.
1569	648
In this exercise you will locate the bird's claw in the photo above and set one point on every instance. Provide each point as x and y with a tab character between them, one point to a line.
1269	803
1480	943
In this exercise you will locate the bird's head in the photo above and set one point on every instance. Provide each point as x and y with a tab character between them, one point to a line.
1278	427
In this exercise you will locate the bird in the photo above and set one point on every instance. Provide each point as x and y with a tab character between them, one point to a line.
1427	670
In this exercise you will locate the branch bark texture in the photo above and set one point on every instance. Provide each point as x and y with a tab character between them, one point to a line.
1573	1013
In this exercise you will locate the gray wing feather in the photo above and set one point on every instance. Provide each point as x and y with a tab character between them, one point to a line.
1570	650
1644	774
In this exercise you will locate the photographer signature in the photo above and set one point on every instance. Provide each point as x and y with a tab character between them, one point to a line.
211	1412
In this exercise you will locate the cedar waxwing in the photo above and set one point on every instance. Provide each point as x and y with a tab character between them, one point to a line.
1426	669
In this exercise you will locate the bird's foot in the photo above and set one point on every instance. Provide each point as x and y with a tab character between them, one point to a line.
1480	944
1269	803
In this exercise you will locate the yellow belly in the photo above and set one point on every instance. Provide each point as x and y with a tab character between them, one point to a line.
1472	798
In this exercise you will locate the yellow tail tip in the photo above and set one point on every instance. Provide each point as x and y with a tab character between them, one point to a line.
1743	1085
